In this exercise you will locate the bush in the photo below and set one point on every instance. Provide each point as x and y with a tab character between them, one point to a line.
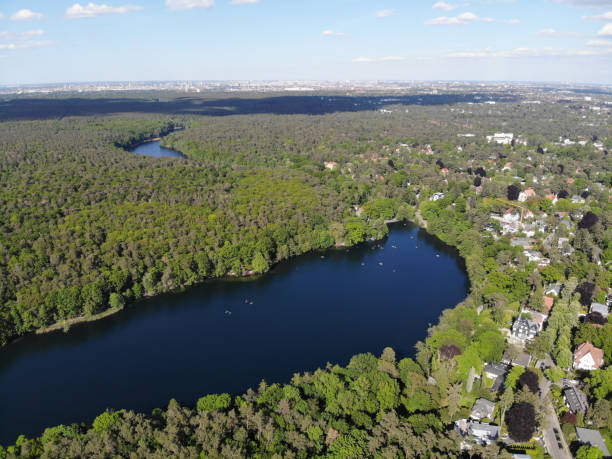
569	418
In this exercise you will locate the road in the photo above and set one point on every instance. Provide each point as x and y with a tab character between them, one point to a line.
550	440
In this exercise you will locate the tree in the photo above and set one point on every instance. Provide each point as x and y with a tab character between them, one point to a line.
596	318
453	399
586	290
106	421
505	401
214	402
600	382
521	421
530	380
260	264
116	300
513	376
600	413
588	452
513	192
588	221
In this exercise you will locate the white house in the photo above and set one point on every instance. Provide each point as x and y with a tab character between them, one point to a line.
588	357
525	329
482	433
502	138
331	165
600	308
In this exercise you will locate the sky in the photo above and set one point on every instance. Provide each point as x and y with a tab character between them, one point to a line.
51	41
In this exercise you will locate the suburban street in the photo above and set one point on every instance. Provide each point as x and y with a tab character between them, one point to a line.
550	440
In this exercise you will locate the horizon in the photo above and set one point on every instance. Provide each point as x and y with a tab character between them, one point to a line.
308	80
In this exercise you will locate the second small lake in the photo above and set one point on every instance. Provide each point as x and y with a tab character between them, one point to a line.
227	335
155	150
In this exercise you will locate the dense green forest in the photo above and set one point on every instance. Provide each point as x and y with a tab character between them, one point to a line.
87	226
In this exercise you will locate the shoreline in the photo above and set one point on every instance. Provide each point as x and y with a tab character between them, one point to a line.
65	325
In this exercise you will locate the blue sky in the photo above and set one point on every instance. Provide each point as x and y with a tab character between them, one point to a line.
109	40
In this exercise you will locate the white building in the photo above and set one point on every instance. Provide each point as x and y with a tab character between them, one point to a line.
503	138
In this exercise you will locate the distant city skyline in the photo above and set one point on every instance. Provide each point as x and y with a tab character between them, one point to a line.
334	40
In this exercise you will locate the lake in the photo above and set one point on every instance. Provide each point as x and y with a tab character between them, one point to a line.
155	150
228	335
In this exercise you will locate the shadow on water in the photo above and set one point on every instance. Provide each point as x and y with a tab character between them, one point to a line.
227	335
43	108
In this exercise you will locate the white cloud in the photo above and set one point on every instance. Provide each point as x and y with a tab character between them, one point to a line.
385	13
588	3
91	10
31	44
462	19
361	60
600	17
1	16
21	36
243	2
332	33
606	31
604	43
190	4
444	6
557	33
25	15
528	52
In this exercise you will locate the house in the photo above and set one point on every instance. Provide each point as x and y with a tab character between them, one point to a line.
553	289
495	370
498	383
331	165
524	328
437	196
484	434
538	317
527	194
552	197
575	400
529	230
523	242
521	360
588	357
548	302
507	167
502	138
482	408
577	199
592	438
600	308
533	255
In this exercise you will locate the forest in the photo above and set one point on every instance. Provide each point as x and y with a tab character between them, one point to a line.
88	227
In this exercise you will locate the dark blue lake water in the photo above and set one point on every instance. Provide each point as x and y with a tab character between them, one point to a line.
317	308
155	150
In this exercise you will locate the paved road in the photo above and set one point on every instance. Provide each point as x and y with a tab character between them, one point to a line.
550	440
